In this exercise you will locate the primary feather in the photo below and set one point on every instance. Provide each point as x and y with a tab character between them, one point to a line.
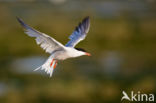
79	33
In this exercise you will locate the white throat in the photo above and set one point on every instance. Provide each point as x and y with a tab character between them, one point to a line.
75	53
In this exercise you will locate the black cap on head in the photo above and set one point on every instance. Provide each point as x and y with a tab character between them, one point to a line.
80	49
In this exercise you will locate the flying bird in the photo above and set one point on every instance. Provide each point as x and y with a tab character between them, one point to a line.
57	50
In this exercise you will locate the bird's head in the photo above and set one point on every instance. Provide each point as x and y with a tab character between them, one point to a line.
83	51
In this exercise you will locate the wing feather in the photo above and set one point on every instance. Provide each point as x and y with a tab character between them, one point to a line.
46	42
79	33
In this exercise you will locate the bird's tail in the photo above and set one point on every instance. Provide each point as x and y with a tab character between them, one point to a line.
48	66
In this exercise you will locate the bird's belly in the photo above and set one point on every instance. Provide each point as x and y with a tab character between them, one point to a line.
61	56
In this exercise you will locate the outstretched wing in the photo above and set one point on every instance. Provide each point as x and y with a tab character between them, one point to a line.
46	42
79	33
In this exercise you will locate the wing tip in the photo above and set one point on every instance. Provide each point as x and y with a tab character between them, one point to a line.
86	24
21	22
86	19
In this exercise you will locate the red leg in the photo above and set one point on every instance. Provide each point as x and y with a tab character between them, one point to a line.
51	62
55	64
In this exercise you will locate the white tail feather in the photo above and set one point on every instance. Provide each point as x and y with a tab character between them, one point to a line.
47	66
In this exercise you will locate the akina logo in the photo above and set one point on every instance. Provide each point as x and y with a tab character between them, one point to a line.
137	96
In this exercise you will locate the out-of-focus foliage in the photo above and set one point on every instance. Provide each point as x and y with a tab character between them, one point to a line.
122	41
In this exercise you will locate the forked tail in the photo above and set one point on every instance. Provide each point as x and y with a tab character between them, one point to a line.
48	66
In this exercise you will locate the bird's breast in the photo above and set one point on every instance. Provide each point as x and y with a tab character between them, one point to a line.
60	55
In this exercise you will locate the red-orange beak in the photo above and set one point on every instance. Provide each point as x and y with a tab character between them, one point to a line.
88	54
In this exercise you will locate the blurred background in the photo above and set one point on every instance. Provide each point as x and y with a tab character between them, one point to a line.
122	41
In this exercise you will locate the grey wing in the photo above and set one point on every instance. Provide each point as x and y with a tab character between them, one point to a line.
46	42
79	33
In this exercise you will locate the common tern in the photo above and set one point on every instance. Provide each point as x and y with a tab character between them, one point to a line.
57	50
